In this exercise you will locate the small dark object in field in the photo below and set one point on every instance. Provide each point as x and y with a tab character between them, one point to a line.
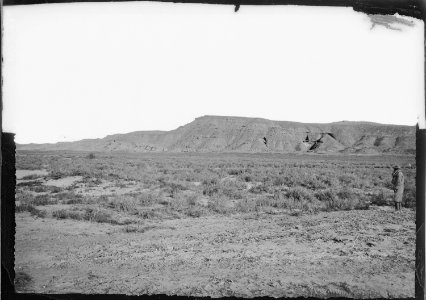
371	244
91	156
194	212
296	213
56	175
337	240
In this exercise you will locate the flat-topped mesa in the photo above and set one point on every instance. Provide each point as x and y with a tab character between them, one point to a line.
211	133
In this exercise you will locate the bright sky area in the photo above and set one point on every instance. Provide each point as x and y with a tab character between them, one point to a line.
86	70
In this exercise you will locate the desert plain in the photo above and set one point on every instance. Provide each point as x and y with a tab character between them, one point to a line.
205	224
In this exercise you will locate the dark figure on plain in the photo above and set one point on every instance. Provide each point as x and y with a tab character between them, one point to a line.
398	186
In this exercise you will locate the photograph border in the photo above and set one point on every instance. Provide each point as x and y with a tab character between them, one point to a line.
411	8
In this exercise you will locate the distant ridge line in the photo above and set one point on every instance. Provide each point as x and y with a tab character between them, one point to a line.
212	133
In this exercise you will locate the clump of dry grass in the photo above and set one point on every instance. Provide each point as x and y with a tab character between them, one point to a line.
90	214
219	205
66	214
344	199
194	211
187	204
246	205
126	204
25	207
41	200
410	196
232	189
99	216
380	198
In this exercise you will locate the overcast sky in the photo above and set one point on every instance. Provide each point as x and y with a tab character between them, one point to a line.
86	70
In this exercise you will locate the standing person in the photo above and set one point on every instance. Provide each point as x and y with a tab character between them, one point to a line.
398	186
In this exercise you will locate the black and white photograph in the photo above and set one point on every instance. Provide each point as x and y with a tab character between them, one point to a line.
212	150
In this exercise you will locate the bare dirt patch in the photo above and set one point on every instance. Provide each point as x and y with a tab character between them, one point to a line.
244	255
63	182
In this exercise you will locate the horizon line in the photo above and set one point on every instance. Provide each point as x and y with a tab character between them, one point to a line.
203	116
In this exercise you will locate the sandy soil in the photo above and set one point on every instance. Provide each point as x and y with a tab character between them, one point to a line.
63	182
350	254
80	185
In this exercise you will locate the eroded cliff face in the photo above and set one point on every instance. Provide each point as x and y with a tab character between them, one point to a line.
239	134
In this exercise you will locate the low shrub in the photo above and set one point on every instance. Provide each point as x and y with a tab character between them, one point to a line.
41	200
173	188
325	195
218	205
98	215
346	199
278	181
303	205
191	200
65	214
211	189
246	205
147	214
346	204
77	200
315	183
260	189
235	172
123	203
299	193
347	193
409	197
148	198
232	189
380	199
54	189
39	189
29	183
194	212
130	229
232	192
266	202
69	198
346	179
210	181
25	207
